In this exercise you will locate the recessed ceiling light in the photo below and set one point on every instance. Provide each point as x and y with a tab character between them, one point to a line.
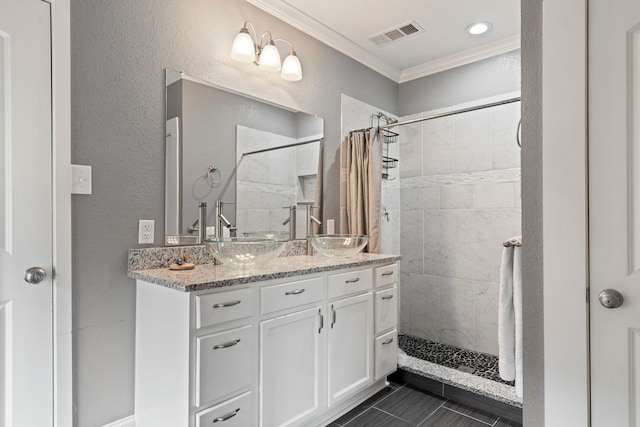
479	28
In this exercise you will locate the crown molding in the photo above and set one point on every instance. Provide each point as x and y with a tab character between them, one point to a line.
315	29
484	51
294	17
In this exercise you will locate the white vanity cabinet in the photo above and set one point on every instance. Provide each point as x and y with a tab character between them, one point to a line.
296	351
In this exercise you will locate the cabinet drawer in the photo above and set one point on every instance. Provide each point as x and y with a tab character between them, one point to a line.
386	275
386	354
386	309
292	294
220	307
223	364
350	283
235	412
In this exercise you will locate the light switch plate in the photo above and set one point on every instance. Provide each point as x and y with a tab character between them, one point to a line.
80	179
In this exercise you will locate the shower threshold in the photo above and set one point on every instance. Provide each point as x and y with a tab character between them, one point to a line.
462	375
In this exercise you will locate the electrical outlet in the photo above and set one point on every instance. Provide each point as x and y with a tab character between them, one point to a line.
145	231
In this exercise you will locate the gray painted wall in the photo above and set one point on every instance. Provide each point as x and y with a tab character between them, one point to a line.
482	79
119	51
532	268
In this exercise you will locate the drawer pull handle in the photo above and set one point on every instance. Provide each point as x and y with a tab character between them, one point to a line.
227	304
389	341
333	317
357	279
228	416
388	273
227	344
321	321
387	297
296	292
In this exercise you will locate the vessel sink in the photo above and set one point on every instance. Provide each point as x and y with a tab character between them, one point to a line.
274	235
338	245
180	240
245	252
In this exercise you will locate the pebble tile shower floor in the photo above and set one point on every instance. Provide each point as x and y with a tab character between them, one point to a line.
401	405
480	364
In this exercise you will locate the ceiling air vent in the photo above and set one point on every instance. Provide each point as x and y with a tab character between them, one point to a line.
397	33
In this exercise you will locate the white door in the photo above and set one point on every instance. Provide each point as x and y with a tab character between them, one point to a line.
292	374
614	210
350	346
26	337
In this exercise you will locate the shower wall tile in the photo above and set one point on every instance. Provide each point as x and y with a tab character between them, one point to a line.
439	149
517	194
456	197
493	195
504	148
411	232
473	141
391	232
440	258
507	223
421	198
420	306
486	317
457	311
411	148
472	244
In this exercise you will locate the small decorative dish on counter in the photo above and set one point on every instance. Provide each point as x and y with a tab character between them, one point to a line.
181	263
245	252
338	245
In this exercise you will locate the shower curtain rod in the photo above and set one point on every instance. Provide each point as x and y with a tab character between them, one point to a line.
451	113
281	147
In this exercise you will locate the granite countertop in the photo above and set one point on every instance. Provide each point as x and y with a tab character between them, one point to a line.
208	276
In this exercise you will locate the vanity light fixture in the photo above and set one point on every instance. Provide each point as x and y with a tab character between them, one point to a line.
478	28
265	55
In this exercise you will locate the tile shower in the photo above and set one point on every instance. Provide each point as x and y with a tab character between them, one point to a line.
459	200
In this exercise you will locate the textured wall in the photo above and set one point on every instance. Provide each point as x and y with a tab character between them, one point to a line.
478	80
460	199
119	51
532	268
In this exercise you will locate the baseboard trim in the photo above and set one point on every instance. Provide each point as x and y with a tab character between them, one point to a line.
129	421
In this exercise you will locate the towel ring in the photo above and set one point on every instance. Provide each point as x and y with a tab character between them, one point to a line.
211	174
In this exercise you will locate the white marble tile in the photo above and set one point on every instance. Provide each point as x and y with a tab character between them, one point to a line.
457	311
424	306
517	194
504	149
411	148
486	317
473	244
507	223
421	198
440	257
493	195
390	235
473	141
456	196
438	148
411	232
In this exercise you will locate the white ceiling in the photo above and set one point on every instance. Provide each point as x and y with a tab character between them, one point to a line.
346	25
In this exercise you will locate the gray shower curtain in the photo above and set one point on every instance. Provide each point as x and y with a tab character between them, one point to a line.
360	180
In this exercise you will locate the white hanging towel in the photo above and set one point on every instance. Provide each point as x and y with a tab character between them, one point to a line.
510	317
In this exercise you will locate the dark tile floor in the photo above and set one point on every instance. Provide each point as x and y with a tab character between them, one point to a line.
480	364
401	405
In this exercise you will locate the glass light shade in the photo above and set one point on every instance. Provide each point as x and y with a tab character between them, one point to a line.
269	58
291	68
243	49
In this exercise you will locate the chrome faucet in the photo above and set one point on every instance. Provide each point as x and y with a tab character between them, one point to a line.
200	224
222	220
291	220
310	221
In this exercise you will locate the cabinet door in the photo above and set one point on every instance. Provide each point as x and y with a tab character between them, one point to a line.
292	373
350	346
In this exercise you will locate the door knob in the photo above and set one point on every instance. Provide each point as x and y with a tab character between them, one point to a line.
610	298
34	275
